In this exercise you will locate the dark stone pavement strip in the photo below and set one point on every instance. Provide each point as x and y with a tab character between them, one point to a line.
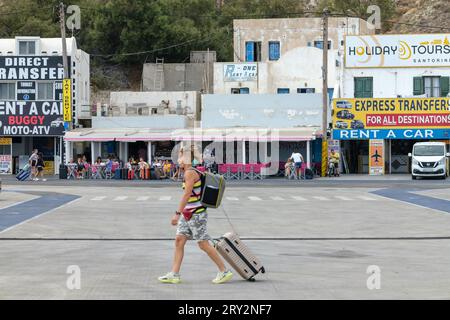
407	195
47	201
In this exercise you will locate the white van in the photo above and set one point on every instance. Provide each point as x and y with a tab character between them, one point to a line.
429	159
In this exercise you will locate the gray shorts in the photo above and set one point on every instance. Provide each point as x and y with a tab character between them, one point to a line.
195	228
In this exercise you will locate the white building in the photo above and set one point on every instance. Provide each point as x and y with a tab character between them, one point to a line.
136	124
398	67
284	55
31	74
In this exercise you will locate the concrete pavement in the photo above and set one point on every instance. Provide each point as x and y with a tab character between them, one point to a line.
316	243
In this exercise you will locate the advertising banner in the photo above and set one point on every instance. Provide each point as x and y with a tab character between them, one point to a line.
26	90
31	118
67	100
240	72
32	68
403	50
391	118
376	157
5	163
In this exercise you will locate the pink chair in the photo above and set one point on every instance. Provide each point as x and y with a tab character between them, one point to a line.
222	169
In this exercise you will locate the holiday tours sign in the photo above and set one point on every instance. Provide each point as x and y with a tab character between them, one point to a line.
391	118
397	51
31	118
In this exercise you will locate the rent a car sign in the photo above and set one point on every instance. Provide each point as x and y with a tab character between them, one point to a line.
26	118
391	118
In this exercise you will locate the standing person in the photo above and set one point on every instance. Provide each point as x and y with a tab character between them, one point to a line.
191	218
33	163
298	159
143	169
40	167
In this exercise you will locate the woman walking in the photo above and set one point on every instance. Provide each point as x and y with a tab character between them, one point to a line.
191	218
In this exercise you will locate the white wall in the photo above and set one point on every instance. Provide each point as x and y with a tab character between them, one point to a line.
389	83
294	69
128	98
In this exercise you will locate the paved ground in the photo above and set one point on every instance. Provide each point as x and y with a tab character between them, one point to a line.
316	239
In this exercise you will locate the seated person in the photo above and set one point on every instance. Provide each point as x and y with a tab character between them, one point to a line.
288	167
80	168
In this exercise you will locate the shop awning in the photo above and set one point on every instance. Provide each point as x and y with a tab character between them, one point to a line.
247	134
129	135
219	134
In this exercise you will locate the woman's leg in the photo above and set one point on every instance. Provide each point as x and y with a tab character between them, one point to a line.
212	253
180	242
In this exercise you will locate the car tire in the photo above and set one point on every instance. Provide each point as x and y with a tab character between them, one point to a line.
413	177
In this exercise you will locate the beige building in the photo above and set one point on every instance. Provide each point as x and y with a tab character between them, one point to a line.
291	33
284	56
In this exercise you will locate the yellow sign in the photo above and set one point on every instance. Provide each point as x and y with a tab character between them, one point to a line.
49	168
5	141
376	157
67	100
391	118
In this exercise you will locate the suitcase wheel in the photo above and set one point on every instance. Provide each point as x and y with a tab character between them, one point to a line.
263	270
251	279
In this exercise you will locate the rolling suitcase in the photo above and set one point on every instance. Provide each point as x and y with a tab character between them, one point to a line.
23	175
237	254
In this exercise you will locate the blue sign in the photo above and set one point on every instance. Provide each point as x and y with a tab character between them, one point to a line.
366	134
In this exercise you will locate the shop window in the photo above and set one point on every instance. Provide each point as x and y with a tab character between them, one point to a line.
45	90
240	91
363	87
319	44
252	51
7	91
306	90
274	50
27	47
431	86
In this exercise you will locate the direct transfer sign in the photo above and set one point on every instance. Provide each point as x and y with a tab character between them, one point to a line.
404	50
391	118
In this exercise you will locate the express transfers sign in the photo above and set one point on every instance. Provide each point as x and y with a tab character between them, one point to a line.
25	118
396	118
388	51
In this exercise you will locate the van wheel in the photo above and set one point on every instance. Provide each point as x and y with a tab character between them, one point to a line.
443	177
413	177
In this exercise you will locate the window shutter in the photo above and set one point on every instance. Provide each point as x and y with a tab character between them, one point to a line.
445	86
368	90
418	86
249	51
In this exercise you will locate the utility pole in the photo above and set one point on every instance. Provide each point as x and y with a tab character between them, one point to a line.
325	15
65	151
62	21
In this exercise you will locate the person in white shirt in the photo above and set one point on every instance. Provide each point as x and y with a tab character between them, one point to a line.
298	159
33	163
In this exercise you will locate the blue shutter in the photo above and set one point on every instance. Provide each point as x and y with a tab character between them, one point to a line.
274	50
249	51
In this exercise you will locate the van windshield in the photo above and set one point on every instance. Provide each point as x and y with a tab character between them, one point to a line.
429	151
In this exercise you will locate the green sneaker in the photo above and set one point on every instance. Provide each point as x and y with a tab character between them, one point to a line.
170	278
223	277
